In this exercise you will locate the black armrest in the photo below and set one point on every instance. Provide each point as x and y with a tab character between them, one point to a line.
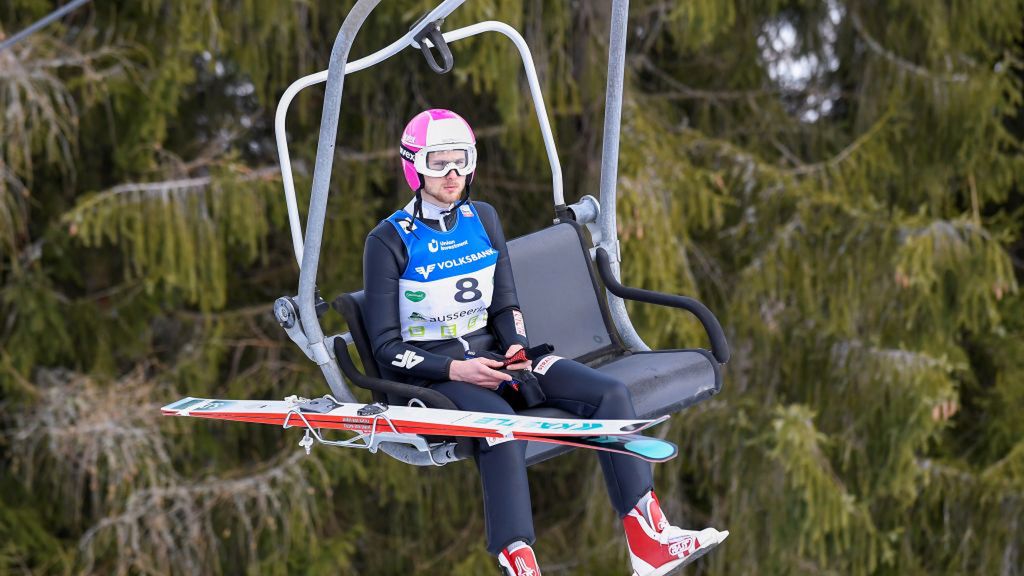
719	345
431	398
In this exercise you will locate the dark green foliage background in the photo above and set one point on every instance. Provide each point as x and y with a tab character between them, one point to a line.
855	223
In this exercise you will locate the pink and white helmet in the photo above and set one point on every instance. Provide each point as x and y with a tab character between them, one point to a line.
436	130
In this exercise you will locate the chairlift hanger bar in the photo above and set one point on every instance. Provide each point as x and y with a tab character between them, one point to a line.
383	54
310	323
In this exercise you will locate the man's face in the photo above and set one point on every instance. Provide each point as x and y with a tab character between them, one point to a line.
444	190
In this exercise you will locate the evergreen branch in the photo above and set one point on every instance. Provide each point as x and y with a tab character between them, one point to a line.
39	106
684	91
171	526
905	360
901	63
22	383
12	211
178	186
935	468
81	435
845	153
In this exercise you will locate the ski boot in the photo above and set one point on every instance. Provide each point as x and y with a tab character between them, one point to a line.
518	560
656	547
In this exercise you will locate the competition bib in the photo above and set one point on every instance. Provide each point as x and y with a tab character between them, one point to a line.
447	285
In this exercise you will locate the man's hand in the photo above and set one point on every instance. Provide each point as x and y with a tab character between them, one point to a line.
479	371
524	365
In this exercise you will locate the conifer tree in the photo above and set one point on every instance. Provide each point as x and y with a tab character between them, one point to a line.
839	180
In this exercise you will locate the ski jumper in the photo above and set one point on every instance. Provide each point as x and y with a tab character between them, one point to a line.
441	285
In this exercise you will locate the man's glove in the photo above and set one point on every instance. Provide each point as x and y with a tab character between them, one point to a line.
523	391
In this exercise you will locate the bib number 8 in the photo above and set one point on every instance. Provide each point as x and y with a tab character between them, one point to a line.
467	290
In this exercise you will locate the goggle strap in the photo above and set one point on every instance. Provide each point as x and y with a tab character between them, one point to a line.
406	153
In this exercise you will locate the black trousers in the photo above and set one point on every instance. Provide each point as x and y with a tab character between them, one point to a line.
577	389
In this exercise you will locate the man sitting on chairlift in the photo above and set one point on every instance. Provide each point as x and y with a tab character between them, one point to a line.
441	311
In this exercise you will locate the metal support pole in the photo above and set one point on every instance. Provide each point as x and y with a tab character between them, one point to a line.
318	200
317	345
610	166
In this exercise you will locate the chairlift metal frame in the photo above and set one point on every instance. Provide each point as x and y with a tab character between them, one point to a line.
299	315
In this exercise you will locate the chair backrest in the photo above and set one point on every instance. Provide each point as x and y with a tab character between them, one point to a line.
562	300
559	293
351	306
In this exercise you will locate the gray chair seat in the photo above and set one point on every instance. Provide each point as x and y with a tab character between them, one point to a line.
660	382
666	381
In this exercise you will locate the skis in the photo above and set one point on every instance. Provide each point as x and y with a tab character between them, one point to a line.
620	436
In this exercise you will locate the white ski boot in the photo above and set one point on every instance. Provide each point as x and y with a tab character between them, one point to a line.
656	547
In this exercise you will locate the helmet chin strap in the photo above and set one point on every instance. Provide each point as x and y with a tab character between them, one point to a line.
417	211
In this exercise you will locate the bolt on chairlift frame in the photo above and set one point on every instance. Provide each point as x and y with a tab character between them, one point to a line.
300	318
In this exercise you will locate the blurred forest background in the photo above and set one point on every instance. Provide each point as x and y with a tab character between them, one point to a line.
839	180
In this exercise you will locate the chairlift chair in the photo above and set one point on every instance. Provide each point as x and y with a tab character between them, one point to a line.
568	284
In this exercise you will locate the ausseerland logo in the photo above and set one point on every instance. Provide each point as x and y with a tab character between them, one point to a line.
455	262
418	316
452	316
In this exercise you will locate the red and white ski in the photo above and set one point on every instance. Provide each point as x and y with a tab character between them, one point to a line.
620	436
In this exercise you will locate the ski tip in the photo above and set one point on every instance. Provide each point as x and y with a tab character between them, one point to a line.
173	408
652	449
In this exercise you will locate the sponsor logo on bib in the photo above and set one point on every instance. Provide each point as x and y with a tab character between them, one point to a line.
449	317
433	246
448	245
455	262
415	296
417	331
466	211
417	316
425	270
448	330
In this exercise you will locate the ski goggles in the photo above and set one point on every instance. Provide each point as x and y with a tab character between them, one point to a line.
439	160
